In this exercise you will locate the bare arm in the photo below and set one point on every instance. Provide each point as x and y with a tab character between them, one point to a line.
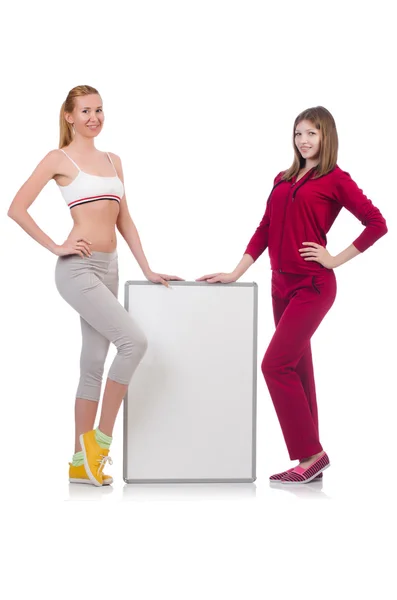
126	225
346	255
243	266
127	228
28	193
256	246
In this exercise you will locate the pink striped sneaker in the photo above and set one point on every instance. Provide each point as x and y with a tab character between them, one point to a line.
278	476
301	475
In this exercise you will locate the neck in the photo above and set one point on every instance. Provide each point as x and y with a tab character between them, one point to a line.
83	144
309	164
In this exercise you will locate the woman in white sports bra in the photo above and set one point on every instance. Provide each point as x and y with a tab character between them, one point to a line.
86	273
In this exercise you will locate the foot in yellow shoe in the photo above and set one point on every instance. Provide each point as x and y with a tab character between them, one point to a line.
95	457
79	475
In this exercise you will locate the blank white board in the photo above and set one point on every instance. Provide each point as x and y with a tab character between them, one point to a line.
190	409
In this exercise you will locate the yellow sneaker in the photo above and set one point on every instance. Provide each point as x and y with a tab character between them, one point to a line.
95	457
79	475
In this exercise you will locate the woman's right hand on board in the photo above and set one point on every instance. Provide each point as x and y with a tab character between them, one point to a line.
79	246
218	278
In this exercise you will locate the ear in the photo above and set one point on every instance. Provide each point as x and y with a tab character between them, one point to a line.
69	118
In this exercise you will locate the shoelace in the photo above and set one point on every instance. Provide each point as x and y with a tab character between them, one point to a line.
103	462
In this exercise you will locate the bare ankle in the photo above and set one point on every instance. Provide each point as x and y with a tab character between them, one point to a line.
313	456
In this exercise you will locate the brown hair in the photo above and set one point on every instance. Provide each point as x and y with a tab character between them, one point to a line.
66	129
324	121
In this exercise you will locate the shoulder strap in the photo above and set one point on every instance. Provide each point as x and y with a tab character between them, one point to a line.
77	167
111	162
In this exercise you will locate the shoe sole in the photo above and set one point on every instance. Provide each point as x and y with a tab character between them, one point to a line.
306	480
105	482
87	467
312	481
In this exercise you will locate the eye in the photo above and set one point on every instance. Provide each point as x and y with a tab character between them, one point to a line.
85	110
100	109
312	133
297	133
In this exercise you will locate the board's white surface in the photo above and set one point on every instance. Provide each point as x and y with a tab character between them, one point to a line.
190	411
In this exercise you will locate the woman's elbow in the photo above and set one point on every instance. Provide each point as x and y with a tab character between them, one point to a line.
16	213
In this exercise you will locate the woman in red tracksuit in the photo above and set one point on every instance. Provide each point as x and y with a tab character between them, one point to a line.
303	204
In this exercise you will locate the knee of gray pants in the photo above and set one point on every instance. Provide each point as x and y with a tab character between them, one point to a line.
130	351
134	344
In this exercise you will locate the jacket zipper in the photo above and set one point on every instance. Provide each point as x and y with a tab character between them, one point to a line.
299	186
285	211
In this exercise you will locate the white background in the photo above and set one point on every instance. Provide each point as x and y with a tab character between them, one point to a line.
200	99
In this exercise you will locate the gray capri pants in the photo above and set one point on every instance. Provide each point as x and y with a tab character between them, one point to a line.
90	285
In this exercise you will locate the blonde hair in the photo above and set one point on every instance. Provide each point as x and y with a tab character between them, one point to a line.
324	121
66	129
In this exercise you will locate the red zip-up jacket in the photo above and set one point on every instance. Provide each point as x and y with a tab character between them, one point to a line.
304	211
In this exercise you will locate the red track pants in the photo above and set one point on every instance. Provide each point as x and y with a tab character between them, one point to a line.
300	302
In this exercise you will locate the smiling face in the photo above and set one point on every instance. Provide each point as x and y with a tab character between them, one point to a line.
308	140
87	116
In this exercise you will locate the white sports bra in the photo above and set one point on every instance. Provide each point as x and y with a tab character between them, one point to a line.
90	188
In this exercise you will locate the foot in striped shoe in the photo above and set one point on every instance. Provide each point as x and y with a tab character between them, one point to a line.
279	476
304	475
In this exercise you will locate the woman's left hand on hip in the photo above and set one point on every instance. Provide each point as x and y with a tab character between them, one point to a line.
317	253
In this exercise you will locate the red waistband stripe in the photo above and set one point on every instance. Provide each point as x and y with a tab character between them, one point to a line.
94	199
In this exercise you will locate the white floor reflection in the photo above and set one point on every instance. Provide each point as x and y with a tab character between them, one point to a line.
311	490
160	492
85	491
188	491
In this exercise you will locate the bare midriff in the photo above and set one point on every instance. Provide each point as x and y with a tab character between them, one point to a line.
96	222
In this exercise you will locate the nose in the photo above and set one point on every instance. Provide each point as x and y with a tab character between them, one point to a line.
93	120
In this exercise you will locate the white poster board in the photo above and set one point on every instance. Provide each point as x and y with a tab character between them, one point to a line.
190	410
